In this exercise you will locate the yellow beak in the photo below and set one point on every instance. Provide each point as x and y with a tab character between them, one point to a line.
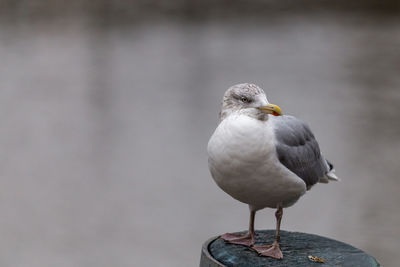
271	109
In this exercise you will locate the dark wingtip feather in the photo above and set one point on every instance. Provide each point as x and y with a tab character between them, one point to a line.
330	165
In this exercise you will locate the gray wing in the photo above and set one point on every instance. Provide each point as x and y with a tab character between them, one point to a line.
298	150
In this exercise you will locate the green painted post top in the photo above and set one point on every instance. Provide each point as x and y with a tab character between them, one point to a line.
296	248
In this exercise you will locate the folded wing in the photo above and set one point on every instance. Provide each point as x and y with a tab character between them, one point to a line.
298	150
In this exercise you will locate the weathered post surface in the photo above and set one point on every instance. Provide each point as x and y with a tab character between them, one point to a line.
296	248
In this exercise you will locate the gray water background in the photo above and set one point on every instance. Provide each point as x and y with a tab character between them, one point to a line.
105	125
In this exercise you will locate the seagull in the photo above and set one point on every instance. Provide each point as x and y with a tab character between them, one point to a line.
263	158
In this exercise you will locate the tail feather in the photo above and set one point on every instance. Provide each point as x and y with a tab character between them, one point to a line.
330	175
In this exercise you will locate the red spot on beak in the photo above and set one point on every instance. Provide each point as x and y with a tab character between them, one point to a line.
275	113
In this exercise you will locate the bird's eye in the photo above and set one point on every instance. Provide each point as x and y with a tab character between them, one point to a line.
244	99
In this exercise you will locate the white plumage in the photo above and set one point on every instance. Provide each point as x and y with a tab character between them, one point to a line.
244	163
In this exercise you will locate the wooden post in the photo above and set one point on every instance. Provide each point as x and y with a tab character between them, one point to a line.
296	248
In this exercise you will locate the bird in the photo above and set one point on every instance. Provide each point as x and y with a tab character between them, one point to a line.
264	159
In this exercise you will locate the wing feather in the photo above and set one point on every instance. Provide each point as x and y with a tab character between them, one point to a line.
298	150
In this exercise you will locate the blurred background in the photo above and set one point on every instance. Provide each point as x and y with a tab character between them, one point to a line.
107	107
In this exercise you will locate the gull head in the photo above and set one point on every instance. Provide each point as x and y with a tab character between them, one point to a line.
248	99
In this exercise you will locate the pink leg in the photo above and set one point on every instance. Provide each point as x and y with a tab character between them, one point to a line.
246	239
273	250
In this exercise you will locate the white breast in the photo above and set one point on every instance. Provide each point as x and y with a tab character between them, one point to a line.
243	162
